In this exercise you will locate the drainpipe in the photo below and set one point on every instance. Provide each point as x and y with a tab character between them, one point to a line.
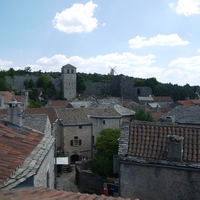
55	165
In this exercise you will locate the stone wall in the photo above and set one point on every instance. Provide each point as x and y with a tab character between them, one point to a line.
17	82
151	182
143	91
87	181
121	86
45	175
97	89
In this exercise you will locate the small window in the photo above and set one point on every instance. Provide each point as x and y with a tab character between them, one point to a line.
68	71
80	127
104	122
72	71
75	142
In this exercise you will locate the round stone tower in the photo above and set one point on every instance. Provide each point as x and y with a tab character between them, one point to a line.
69	81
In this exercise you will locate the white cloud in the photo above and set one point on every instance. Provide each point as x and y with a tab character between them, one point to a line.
198	50
77	19
187	7
186	70
4	64
127	63
159	40
180	71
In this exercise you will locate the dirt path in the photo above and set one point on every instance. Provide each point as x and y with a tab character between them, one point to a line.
66	181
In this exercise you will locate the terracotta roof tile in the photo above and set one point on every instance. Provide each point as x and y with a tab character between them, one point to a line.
20	98
8	96
187	103
41	193
149	140
59	103
15	146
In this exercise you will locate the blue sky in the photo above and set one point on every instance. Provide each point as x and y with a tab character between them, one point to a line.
139	38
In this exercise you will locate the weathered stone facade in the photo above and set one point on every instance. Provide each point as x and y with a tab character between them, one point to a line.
69	81
81	135
101	123
45	175
158	182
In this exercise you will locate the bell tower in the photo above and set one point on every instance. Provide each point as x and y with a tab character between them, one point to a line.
69	81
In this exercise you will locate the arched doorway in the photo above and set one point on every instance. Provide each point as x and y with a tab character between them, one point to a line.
74	158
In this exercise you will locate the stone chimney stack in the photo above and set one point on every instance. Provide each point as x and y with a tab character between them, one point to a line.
14	113
175	148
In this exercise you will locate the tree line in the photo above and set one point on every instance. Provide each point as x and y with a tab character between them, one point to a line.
176	92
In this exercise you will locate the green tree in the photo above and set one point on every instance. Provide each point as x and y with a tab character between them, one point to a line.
142	115
80	83
44	81
106	146
11	72
3	85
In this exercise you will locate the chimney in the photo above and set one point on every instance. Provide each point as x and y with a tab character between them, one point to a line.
14	113
170	119
175	148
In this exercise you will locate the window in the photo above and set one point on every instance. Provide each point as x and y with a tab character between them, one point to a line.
80	127
75	142
68	71
104	122
48	179
72	71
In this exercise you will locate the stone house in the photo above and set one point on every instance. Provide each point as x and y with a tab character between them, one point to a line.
53	119
79	128
159	161
163	101
27	158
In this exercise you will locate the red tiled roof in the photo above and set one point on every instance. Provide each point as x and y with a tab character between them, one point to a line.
187	103
190	102
162	99
15	146
157	115
149	140
7	96
59	103
48	111
196	101
20	98
41	193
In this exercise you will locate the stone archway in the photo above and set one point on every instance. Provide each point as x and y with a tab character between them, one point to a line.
74	158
